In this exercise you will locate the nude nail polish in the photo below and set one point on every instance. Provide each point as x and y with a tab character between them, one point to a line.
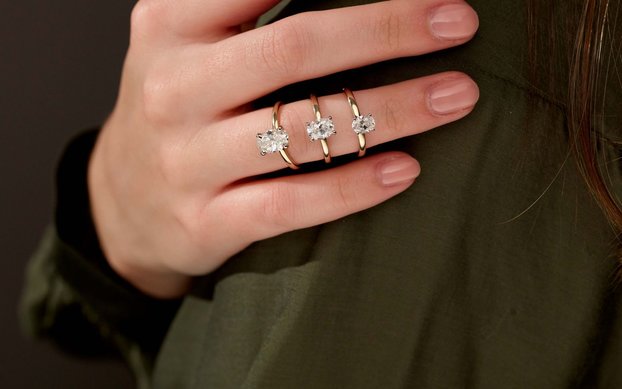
451	96
453	21
397	171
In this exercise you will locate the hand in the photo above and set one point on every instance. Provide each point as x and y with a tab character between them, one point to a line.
171	178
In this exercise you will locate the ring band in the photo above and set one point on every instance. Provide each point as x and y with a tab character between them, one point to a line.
276	139
321	128
360	124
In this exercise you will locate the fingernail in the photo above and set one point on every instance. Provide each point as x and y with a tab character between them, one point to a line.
451	96
454	21
397	170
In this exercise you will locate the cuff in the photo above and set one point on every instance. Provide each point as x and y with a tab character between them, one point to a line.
113	302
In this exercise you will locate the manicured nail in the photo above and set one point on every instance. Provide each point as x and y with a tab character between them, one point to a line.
454	21
398	170
451	96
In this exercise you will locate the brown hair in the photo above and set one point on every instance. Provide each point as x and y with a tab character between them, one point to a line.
591	26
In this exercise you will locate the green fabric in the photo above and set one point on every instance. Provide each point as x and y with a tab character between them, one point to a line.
84	321
494	270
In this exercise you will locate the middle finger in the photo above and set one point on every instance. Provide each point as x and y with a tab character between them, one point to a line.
227	150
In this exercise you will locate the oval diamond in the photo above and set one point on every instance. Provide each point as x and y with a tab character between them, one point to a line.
272	140
321	129
363	124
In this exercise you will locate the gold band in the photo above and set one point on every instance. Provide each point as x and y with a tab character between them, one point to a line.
357	113
276	125
316	107
318	117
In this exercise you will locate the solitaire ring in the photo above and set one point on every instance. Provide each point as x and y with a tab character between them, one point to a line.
275	139
321	128
361	125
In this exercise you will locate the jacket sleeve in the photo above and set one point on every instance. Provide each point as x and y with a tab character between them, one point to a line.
73	297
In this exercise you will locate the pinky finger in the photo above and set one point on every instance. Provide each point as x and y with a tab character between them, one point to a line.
275	206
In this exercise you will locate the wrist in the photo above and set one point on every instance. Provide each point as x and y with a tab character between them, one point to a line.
154	281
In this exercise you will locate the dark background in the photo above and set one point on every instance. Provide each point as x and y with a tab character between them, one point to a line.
60	63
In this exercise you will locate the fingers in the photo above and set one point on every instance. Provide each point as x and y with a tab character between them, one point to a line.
311	45
275	206
229	149
200	20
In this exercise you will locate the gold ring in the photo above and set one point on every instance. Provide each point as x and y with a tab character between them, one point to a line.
321	128
275	139
361	125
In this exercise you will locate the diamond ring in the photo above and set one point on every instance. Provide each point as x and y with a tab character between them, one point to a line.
321	128
275	139
361	125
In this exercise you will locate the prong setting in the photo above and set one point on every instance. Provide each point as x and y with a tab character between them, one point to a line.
363	124
321	129
272	141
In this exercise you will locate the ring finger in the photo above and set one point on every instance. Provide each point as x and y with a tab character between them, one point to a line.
400	110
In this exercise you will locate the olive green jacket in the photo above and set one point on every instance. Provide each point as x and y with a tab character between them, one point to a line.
494	270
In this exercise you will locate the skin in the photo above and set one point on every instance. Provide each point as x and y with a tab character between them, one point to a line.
173	177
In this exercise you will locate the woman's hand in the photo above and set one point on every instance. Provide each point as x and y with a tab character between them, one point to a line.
171	178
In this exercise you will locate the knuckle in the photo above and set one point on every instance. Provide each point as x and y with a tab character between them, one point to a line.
145	18
393	113
279	207
157	97
387	30
291	117
346	197
169	164
187	216
282	48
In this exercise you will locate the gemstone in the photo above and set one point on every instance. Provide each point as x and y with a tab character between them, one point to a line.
363	124
321	129
272	140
